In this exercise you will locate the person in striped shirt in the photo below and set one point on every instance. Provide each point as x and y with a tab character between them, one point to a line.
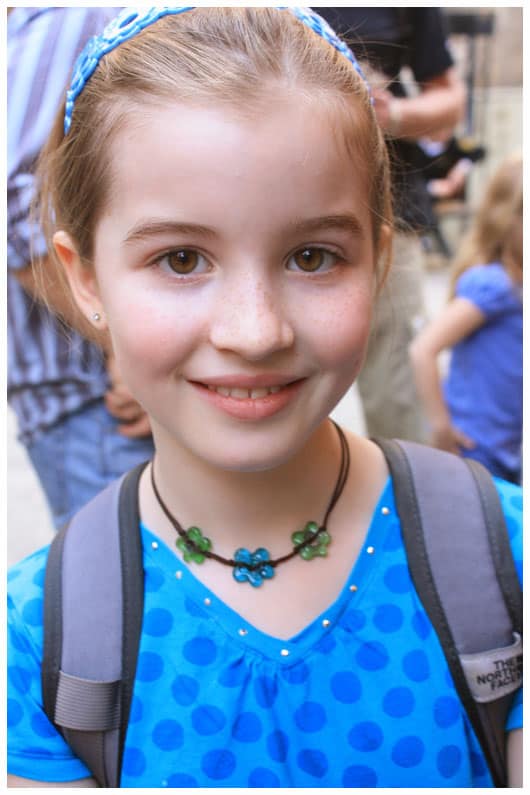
78	422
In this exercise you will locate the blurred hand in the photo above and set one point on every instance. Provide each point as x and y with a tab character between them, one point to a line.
453	183
452	440
119	401
382	101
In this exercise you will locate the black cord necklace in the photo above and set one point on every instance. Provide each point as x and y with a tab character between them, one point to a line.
255	567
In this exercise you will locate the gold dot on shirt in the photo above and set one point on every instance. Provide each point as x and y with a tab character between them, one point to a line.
371	550
178	575
154	544
353	587
284	652
326	622
243	632
207	602
385	511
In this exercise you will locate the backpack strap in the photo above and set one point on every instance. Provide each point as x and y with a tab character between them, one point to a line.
461	564
93	610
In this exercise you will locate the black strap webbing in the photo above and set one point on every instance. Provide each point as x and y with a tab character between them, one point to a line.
53	625
133	595
93	609
460	561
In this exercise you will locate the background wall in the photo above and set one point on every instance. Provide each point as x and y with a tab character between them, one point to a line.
498	79
492	66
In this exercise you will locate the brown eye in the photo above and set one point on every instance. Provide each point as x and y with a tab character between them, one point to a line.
311	260
183	260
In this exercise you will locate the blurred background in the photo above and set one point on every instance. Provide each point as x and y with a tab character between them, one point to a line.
487	45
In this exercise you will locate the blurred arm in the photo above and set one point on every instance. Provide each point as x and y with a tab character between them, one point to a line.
433	113
458	320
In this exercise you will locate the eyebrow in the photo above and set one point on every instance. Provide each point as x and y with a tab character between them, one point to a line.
148	228
143	230
347	223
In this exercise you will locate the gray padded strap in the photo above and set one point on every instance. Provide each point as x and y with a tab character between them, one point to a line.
461	564
93	611
459	553
92	594
92	634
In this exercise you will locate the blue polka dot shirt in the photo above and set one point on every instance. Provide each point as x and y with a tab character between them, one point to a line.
361	698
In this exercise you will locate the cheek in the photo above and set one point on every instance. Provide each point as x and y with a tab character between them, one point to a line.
342	327
149	338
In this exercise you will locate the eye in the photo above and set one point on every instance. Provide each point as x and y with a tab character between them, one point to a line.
183	261
311	260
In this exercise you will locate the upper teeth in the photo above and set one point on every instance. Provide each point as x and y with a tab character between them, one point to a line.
244	394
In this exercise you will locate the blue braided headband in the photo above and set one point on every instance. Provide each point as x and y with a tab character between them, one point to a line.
131	21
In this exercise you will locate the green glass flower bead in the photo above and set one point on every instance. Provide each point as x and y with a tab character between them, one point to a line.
194	545
316	548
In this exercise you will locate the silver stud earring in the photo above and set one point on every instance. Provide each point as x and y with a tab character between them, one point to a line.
96	316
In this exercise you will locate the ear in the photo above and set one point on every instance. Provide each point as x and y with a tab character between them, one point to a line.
80	277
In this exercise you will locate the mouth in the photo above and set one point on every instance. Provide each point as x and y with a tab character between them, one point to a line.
242	393
250	398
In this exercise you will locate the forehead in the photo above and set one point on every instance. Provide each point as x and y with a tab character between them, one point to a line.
173	155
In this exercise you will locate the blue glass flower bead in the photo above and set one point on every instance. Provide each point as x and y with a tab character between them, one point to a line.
317	547
247	559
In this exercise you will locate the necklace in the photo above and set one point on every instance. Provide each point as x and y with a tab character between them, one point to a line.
255	567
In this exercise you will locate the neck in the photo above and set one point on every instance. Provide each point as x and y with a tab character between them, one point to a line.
249	508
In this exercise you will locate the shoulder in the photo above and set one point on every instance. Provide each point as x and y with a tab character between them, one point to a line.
430	20
35	749
25	595
489	287
28	573
441	490
429	55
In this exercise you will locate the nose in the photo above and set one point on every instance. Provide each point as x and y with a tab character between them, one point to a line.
250	320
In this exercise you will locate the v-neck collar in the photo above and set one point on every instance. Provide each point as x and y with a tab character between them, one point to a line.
240	631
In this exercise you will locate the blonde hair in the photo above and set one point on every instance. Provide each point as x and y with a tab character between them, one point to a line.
230	56
491	234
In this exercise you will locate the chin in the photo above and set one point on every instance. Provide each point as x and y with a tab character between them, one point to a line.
250	448
248	458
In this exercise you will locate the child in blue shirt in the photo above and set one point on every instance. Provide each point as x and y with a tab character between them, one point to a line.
478	412
217	193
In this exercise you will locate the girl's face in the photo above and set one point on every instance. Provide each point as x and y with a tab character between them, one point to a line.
235	268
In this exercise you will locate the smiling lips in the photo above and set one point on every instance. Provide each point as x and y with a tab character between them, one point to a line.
252	402
243	394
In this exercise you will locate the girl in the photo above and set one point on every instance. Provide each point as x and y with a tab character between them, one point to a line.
479	412
219	193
